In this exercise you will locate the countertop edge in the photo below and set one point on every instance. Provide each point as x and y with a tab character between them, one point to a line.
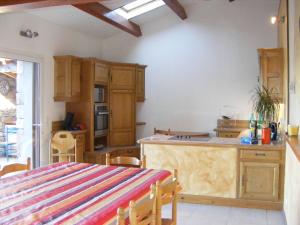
294	143
240	146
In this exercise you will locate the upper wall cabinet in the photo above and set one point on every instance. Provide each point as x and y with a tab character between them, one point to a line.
140	83
101	73
67	77
122	77
271	70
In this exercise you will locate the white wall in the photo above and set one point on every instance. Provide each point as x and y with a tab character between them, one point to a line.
294	54
53	40
198	65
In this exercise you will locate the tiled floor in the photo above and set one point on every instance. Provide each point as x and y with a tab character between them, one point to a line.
196	214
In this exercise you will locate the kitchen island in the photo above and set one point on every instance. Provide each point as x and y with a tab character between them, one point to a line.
220	170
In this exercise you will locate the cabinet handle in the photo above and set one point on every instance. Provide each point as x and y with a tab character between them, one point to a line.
111	113
260	154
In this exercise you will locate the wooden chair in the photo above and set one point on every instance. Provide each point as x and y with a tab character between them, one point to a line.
15	167
165	132
166	194
63	147
143	213
126	161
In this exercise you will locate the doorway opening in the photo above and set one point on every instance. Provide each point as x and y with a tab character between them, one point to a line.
19	111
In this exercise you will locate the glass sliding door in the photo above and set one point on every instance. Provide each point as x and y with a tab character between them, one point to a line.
20	112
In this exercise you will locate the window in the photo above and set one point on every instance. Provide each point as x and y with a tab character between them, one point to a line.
138	7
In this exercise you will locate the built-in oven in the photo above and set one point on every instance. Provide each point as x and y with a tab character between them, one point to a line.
101	119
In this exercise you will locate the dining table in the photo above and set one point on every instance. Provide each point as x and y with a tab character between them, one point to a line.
74	193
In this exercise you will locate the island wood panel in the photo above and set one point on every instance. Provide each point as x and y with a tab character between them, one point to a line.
205	171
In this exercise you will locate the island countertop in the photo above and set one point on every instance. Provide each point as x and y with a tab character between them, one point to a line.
213	142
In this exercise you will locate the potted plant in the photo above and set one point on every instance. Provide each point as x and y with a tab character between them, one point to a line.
266	105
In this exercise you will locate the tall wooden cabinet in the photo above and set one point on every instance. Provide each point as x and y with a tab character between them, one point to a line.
271	70
122	105
67	78
75	80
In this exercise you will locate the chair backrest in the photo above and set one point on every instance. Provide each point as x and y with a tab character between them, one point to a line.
125	161
166	194
11	133
61	145
165	132
15	167
143	213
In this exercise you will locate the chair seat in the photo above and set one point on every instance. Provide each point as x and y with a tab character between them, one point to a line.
166	221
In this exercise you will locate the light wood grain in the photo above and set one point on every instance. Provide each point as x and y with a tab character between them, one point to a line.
15	167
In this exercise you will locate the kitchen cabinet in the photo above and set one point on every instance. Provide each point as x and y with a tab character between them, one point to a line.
261	174
122	77
67	78
122	117
259	181
229	128
271	70
101	73
140	83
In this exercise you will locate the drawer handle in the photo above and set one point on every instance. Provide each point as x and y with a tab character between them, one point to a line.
260	154
130	151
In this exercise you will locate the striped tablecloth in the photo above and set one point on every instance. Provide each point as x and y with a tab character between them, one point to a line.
73	193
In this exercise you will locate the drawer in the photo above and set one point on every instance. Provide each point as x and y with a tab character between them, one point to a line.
228	134
260	154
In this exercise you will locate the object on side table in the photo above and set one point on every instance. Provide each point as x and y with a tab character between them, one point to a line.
293	130
266	136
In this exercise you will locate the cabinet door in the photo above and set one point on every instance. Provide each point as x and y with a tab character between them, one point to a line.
271	61
101	73
259	181
122	118
60	78
75	78
122	77
67	78
140	84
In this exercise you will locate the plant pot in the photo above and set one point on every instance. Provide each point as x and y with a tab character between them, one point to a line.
266	136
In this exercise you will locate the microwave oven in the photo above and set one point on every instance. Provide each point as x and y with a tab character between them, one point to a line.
99	95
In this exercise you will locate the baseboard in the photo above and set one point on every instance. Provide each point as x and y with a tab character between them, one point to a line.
242	203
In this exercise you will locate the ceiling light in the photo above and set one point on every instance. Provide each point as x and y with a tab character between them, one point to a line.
138	7
273	19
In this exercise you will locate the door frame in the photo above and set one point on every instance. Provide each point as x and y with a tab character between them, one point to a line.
34	58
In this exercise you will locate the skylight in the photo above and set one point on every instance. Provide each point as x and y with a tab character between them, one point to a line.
138	7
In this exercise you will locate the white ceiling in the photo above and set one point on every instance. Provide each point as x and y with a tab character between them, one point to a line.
78	20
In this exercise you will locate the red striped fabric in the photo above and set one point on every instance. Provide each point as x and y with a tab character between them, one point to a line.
73	193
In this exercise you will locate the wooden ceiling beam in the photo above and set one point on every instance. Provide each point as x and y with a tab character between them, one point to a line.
19	5
177	8
111	17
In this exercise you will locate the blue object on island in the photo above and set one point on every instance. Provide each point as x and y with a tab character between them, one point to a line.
246	140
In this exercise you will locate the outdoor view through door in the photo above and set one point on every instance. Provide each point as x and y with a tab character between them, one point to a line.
19	111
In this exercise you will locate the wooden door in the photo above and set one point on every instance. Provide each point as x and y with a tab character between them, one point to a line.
122	118
101	73
140	83
271	66
122	77
259	181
